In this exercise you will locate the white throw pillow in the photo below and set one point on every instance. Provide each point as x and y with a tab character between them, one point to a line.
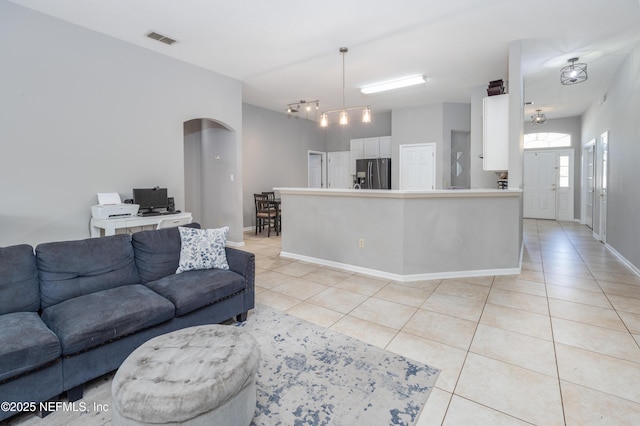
202	249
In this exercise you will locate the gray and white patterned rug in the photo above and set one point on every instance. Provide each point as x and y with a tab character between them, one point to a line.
308	375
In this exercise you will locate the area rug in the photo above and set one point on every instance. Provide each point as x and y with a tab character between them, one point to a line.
308	375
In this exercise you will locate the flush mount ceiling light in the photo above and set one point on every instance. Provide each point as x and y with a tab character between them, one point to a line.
394	84
573	73
343	119
302	104
538	118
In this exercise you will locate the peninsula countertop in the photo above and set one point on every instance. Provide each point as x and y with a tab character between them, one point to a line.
396	193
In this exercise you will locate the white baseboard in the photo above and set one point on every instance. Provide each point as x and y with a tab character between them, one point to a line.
399	277
235	243
623	259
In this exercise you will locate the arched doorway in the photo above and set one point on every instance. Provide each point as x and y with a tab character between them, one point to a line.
211	175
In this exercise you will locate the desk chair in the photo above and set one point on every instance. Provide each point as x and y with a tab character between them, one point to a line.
170	223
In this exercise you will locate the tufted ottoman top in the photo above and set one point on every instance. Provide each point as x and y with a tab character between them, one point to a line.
180	375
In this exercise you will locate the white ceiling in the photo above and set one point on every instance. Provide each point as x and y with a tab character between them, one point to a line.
287	50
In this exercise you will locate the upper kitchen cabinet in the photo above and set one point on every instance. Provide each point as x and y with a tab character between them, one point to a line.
378	147
496	133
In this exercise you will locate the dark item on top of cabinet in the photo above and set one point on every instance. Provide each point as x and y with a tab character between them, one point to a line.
496	87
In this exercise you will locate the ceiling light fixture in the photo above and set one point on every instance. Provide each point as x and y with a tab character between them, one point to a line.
574	73
538	118
294	107
344	116
395	84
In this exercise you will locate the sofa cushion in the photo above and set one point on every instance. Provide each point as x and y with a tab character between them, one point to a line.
70	269
25	343
202	249
91	320
19	285
194	289
157	252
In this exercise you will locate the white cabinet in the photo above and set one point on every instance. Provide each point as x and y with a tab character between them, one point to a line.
495	135
377	147
385	147
372	148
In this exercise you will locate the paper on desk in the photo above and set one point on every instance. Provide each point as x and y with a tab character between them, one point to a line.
108	198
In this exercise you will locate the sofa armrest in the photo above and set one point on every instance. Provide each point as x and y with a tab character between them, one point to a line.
243	263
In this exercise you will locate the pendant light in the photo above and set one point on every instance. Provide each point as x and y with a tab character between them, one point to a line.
538	118
574	73
343	118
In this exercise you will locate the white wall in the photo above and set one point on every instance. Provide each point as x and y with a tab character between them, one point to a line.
83	113
619	115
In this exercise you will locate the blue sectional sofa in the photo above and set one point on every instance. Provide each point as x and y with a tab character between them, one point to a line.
74	310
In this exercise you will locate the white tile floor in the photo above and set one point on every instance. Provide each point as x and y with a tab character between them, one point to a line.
557	344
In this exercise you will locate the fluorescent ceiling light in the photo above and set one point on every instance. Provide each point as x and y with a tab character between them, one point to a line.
395	84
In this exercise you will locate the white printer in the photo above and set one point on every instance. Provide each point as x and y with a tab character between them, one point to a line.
114	211
110	207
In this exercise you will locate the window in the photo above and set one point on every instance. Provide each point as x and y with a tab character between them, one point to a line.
546	140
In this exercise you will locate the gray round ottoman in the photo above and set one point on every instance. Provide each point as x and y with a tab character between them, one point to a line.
197	375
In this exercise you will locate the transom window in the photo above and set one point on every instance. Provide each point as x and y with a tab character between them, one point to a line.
546	140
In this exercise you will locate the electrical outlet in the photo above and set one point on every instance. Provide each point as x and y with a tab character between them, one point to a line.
361	243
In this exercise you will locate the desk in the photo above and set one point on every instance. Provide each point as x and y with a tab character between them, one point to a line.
110	225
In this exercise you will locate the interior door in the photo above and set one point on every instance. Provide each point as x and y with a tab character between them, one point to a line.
418	166
315	170
604	158
339	173
540	185
589	184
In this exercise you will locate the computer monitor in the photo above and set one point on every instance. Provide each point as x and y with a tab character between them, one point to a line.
151	199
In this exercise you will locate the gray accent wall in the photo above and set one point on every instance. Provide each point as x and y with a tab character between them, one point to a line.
83	113
275	147
428	124
619	116
339	137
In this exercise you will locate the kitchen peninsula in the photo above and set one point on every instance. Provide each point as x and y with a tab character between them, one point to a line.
405	235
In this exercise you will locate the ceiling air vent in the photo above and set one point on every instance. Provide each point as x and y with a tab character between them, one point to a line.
160	37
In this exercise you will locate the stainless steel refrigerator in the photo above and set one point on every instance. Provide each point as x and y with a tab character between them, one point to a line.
374	173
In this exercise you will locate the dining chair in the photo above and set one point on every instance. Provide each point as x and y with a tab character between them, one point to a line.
266	213
271	195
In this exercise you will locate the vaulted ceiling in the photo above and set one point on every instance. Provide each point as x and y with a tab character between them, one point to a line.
288	50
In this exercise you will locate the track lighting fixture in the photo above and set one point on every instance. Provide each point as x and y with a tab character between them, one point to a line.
302	104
